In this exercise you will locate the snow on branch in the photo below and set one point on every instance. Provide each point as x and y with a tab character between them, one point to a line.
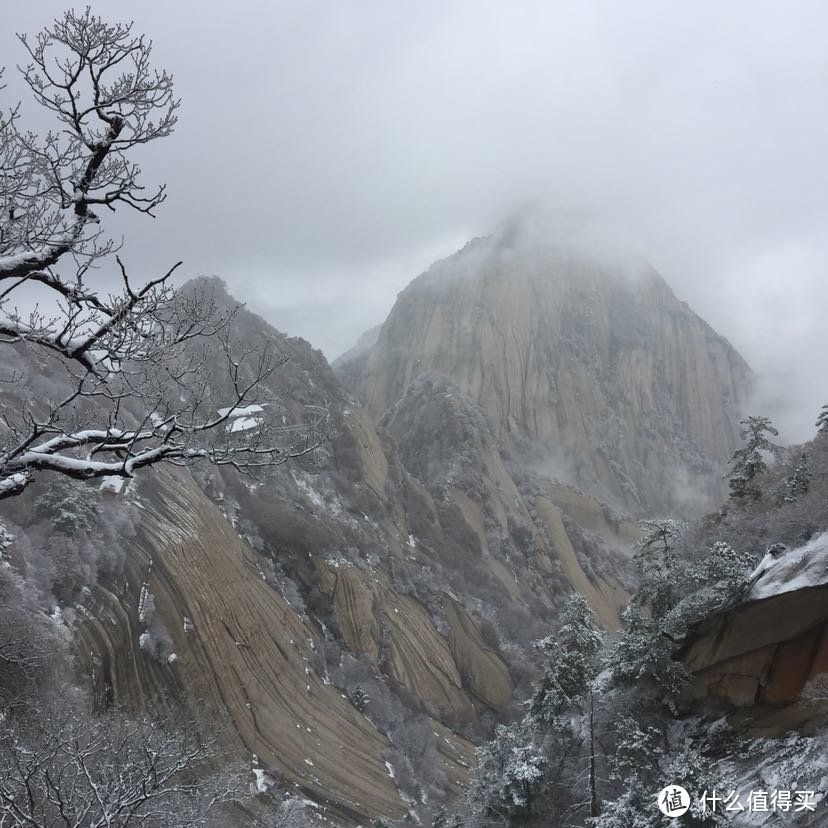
130	373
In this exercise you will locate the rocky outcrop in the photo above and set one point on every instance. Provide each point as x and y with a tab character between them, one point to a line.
443	438
373	617
594	373
482	669
760	655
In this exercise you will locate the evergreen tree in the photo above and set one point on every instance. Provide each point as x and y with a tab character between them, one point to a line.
674	594
722	564
822	420
799	481
749	462
532	768
641	765
693	771
643	657
71	505
659	562
634	766
510	773
569	664
709	585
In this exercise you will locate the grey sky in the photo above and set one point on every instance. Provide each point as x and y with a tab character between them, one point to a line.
327	152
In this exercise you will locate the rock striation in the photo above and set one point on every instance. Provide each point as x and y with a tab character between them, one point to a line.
242	655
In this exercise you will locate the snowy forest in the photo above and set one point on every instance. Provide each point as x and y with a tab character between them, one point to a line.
523	556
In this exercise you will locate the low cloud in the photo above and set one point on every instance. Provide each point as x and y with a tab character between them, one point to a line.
327	153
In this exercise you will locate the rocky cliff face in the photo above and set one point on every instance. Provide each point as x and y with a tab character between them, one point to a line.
533	535
593	372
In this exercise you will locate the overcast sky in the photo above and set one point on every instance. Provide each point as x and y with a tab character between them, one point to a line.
327	152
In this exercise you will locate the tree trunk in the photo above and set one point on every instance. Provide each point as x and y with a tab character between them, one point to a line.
593	793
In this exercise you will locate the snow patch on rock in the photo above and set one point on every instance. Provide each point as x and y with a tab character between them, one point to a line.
113	484
800	568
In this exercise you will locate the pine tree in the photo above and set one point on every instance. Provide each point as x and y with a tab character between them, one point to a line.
71	505
822	420
711	584
634	766
531	768
657	556
799	481
749	462
674	593
510	773
643	657
723	564
642	765
569	663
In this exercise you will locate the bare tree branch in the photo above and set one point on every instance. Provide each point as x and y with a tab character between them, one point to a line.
136	384
75	769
